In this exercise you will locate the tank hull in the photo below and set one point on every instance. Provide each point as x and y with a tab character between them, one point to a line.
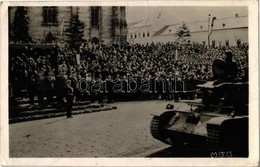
203	130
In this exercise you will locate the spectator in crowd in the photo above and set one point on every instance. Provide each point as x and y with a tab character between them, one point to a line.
181	66
69	98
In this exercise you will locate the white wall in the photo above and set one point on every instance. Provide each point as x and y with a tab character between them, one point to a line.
219	36
232	35
143	38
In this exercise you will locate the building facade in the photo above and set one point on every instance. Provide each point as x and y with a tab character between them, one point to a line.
106	24
230	31
138	33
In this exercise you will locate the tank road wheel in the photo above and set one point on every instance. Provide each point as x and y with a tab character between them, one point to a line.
157	125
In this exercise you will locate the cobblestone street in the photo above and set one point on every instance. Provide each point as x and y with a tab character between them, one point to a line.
123	132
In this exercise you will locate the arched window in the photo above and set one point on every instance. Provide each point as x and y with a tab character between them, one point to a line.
148	34
50	15
227	42
213	43
238	42
95	10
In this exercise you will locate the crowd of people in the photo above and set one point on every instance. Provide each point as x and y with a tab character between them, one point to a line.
181	66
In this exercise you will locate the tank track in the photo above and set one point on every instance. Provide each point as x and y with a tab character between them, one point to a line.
157	132
213	137
216	140
155	128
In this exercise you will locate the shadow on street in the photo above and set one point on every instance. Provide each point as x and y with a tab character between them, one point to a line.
195	153
185	152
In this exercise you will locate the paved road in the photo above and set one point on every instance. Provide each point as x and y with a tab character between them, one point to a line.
117	133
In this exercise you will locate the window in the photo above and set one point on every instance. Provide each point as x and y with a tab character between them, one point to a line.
213	44
95	16
238	42
122	10
135	35
131	36
227	42
50	16
144	35
148	34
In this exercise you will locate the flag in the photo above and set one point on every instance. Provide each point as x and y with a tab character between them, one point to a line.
176	54
211	25
62	25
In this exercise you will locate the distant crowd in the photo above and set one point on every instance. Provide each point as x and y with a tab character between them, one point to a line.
43	77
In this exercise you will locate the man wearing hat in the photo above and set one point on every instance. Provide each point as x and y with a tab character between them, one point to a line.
69	98
231	67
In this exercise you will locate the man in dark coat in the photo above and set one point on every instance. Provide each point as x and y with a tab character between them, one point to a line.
110	92
69	98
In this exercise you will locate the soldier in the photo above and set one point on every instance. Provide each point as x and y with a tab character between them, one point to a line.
100	93
110	92
69	98
230	72
32	86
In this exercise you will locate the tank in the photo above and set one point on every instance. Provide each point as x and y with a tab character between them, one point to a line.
216	122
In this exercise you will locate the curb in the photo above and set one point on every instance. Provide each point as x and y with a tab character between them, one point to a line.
59	114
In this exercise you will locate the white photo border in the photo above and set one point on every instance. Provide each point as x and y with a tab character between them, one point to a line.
252	160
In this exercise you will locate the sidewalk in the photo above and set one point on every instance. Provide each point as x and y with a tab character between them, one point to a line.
26	112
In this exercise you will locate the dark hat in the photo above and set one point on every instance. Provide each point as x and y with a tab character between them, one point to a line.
228	53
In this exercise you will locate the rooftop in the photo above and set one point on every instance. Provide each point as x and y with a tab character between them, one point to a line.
198	26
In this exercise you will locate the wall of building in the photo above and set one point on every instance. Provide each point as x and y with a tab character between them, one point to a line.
231	29
219	36
106	23
140	35
84	15
232	35
103	32
222	36
38	30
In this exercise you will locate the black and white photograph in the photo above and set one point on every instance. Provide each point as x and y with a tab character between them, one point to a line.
130	81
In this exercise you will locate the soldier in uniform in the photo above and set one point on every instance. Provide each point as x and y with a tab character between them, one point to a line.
69	98
110	92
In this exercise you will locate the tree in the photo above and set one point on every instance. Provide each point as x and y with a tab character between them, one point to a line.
75	30
20	26
182	32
